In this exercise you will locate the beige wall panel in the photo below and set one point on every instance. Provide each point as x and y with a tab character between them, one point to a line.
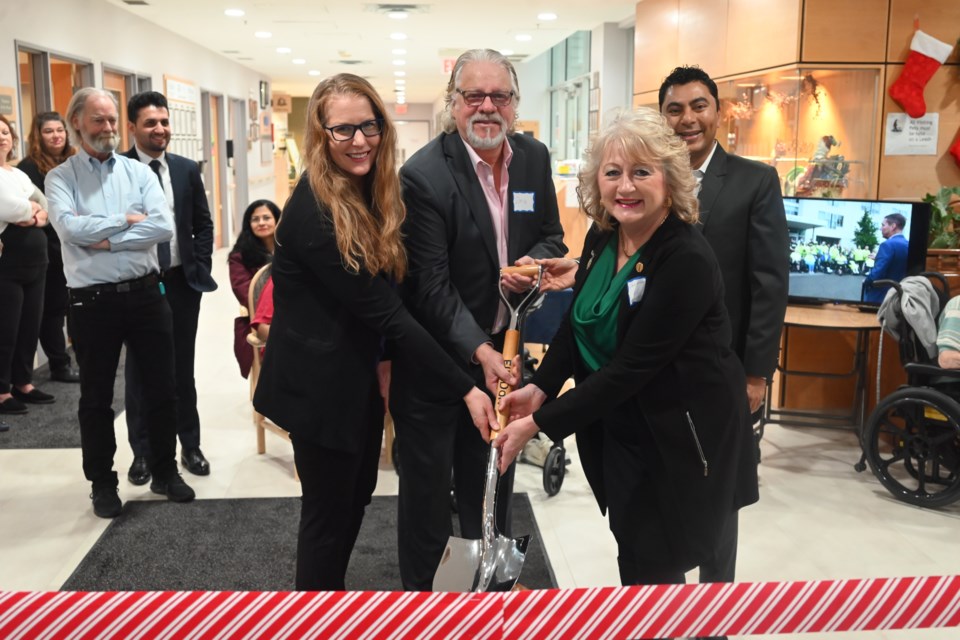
703	35
913	176
844	30
647	99
762	34
655	43
939	18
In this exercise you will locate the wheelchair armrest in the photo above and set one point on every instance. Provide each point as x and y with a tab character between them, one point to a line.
931	370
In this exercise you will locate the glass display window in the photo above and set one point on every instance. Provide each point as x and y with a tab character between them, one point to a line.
817	126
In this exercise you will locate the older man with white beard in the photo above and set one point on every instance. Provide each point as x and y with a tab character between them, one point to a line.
110	212
479	197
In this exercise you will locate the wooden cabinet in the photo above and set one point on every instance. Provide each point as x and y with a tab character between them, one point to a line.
844	30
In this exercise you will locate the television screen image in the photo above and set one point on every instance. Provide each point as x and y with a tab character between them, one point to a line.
837	247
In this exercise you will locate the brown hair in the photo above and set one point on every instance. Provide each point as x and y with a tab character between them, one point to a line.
367	225
36	151
642	134
13	134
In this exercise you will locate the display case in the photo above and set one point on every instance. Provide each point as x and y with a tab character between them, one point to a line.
817	126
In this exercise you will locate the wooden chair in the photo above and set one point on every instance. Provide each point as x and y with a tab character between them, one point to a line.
260	421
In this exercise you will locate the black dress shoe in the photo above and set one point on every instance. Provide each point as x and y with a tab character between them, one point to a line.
194	462
12	407
4	426
65	374
174	488
106	502
34	396
139	473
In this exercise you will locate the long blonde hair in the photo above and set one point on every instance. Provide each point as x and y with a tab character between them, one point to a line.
366	225
642	134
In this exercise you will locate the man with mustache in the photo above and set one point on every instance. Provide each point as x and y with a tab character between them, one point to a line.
742	217
110	213
185	264
479	197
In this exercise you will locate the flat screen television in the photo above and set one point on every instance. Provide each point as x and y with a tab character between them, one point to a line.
836	246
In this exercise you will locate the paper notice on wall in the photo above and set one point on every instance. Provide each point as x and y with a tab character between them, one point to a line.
906	136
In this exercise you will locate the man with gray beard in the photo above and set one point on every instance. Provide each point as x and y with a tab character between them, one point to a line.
110	212
479	197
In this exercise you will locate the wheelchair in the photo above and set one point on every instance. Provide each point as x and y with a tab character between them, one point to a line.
911	440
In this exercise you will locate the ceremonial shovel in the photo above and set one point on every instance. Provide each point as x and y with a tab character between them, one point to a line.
492	563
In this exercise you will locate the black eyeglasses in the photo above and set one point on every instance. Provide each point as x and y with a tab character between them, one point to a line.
476	98
344	132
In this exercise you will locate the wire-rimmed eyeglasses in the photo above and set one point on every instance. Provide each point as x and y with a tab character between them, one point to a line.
476	98
344	132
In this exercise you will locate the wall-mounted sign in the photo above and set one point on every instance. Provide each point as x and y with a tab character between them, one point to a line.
281	102
448	64
906	136
8	102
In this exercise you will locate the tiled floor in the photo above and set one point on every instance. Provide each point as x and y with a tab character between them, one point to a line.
817	518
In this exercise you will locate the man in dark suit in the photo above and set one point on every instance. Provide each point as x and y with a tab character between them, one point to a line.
185	263
891	259
478	197
742	217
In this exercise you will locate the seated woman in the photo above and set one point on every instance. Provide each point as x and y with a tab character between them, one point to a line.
23	269
659	408
253	249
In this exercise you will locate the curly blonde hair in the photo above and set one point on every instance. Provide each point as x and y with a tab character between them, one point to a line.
366	224
643	135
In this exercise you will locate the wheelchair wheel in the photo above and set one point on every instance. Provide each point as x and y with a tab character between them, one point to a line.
912	443
554	469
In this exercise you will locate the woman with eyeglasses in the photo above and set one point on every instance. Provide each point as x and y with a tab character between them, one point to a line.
337	264
48	145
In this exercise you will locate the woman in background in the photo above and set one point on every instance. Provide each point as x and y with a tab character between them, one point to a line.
252	250
23	265
339	257
48	145
659	408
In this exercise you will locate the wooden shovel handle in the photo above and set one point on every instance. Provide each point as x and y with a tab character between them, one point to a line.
529	270
511	344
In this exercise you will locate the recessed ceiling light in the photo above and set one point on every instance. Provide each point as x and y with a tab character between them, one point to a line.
263	34
398	36
546	16
524	37
399	63
399	74
401	100
399	52
400	81
398	15
313	72
235	13
506	52
284	49
298	61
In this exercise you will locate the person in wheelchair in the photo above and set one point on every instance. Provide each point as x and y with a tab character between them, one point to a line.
948	335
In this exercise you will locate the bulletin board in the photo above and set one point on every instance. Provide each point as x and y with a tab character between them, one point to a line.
182	97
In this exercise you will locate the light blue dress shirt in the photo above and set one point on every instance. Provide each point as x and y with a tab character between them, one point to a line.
89	202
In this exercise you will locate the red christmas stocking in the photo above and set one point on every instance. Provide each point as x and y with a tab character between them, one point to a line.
925	57
955	149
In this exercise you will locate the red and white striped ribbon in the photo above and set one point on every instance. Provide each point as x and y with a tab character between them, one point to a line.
741	609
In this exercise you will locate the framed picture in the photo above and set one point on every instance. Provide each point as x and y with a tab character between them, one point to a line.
253	112
264	94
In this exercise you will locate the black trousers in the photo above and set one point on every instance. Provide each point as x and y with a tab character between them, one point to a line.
100	324
21	304
434	437
55	303
184	303
337	487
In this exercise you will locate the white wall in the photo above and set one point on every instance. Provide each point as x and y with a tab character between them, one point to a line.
609	55
534	78
104	34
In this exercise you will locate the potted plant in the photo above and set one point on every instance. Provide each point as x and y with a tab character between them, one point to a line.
943	244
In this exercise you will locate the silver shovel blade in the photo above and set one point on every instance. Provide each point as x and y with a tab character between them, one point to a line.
463	567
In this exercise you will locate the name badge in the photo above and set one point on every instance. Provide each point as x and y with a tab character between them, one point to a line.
635	289
523	201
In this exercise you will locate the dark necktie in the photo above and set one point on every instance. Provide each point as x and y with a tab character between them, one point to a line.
163	249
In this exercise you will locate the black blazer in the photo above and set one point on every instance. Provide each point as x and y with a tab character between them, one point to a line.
741	211
193	224
454	268
673	371
328	331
